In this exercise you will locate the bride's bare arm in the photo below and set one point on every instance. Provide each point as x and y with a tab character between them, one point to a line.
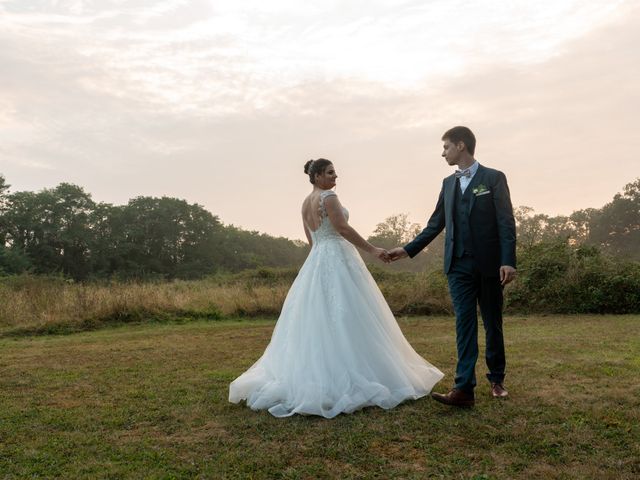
340	224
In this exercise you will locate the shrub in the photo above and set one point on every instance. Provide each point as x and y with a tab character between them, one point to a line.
556	277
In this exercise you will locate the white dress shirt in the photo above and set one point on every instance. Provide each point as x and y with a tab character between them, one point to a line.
465	181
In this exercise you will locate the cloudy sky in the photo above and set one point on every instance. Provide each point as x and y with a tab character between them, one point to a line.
222	102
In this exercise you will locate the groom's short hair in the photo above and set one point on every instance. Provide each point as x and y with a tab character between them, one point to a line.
461	134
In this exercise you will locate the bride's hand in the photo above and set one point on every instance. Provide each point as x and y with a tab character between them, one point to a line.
381	254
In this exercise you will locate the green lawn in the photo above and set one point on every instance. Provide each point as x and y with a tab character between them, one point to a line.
150	401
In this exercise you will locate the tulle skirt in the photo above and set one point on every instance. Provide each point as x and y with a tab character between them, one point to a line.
336	347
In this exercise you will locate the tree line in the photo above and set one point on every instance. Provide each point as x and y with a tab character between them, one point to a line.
62	230
586	262
613	229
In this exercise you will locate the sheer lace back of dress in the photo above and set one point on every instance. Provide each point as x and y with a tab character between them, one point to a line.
325	228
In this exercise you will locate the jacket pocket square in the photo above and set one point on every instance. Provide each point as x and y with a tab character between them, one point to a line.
486	192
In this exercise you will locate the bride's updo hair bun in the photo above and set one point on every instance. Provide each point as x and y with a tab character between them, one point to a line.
316	167
307	167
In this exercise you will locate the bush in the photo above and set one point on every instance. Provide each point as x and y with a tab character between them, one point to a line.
555	277
13	262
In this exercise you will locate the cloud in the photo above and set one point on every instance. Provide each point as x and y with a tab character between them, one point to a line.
221	103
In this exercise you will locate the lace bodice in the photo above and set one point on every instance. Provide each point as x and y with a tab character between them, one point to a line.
326	231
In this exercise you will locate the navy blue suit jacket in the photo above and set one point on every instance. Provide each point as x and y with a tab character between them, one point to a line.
493	228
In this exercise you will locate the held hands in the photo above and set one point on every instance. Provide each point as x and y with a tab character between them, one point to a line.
507	274
388	256
397	253
381	254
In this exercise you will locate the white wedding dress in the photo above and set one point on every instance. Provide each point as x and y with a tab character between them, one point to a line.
336	347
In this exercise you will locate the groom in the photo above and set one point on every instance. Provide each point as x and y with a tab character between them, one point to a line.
479	259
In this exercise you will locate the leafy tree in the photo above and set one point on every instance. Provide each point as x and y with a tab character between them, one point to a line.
4	188
529	226
582	220
11	262
616	226
249	249
396	231
70	217
106	251
51	228
166	236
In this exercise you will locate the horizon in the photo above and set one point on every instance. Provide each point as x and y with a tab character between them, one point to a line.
366	234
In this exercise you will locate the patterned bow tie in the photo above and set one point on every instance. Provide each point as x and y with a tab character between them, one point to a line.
463	173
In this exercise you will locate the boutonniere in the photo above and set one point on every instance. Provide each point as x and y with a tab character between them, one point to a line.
480	190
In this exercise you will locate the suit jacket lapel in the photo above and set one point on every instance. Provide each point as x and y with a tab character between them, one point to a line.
475	181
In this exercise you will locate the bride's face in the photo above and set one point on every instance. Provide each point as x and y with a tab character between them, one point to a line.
327	179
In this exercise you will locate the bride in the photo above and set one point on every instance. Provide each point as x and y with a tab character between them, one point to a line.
336	347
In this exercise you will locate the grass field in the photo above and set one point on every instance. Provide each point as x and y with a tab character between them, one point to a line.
150	401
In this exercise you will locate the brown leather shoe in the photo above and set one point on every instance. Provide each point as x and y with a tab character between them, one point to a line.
498	391
455	397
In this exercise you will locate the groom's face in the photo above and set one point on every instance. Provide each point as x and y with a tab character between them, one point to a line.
451	151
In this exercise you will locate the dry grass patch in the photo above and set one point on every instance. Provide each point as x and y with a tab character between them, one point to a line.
43	305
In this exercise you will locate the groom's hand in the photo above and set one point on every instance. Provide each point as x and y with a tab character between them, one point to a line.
507	274
381	254
397	253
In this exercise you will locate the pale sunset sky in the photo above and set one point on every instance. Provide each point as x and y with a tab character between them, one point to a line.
222	102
